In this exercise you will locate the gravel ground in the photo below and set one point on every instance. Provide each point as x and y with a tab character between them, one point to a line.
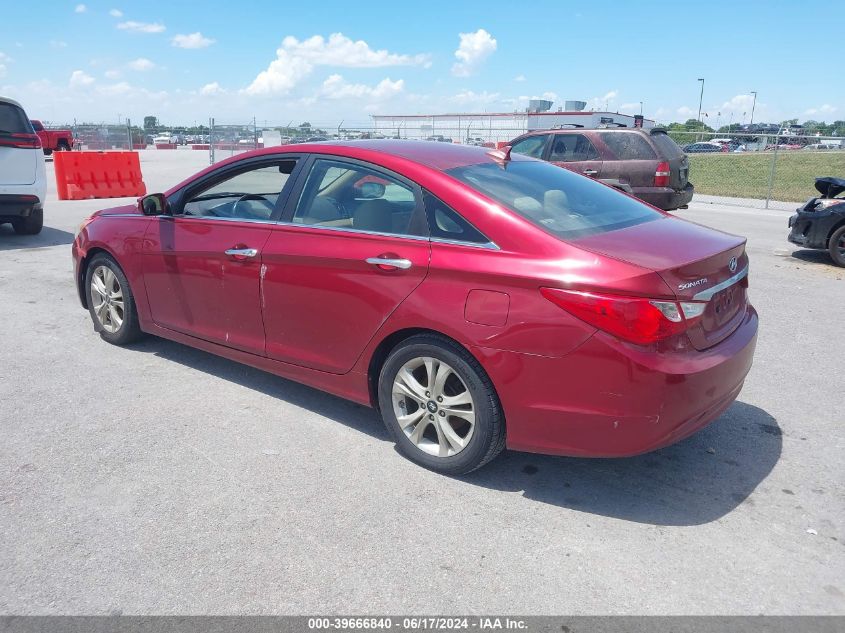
158	479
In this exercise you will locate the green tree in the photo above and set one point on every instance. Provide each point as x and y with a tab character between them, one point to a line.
150	122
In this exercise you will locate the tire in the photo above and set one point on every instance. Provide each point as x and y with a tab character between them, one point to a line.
30	225
48	151
836	246
118	324
63	147
477	427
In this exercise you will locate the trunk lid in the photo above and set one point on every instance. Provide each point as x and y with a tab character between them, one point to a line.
697	263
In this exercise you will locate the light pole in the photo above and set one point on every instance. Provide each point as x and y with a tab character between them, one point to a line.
641	108
700	100
753	103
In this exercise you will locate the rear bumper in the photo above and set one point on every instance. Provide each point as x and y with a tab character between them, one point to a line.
610	399
18	205
664	197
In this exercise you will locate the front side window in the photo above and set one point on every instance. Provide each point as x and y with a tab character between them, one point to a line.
348	195
572	148
531	146
558	201
247	195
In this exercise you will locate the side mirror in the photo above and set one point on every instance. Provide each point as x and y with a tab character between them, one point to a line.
371	190
153	204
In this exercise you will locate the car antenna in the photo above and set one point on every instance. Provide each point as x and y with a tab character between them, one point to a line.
502	155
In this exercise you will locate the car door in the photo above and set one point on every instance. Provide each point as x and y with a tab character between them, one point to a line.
575	152
353	246
202	264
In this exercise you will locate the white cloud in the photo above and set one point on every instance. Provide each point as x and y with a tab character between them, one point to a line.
80	79
336	87
823	109
116	13
603	102
141	27
119	89
211	89
281	75
111	74
738	104
192	40
470	98
686	112
80	8
472	51
520	102
339	50
630	107
4	60
296	59
58	43
142	64
519	78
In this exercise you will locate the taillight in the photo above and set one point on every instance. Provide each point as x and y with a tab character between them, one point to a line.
661	176
635	319
20	141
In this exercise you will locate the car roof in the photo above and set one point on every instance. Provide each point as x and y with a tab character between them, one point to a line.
440	156
12	101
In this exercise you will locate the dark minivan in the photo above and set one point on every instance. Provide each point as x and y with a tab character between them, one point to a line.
645	163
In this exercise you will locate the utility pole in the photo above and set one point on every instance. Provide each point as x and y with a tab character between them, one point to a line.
753	103
700	101
641	108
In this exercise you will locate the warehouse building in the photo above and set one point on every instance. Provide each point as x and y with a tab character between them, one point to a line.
500	126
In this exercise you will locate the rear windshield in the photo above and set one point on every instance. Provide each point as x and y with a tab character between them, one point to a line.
666	145
563	203
13	120
628	145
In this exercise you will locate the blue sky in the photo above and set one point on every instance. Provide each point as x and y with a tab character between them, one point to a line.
326	61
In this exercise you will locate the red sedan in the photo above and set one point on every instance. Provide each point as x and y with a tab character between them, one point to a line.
476	299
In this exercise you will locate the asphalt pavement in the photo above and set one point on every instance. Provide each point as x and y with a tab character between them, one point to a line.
158	479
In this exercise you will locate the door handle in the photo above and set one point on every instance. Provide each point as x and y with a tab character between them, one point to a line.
404	264
590	172
241	253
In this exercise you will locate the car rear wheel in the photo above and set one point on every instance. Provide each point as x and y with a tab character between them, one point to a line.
110	302
440	407
30	225
836	246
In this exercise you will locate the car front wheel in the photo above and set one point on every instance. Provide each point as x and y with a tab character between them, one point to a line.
440	406
836	246
110	302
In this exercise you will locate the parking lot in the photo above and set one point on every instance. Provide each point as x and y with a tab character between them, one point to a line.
161	479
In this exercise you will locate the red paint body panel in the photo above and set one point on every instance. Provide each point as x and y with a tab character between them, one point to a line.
309	308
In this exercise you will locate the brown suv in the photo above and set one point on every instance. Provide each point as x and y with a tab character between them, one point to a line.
645	163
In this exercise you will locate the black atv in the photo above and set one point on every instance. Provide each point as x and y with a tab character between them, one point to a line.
820	223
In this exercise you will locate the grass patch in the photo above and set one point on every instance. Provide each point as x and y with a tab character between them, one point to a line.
746	175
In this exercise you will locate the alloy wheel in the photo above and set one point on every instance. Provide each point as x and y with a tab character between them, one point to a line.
107	299
433	406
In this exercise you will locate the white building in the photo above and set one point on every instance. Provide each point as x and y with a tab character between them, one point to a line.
493	126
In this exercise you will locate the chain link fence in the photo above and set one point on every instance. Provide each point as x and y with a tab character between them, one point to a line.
757	166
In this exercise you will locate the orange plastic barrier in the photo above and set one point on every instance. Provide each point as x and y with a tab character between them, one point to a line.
83	175
165	145
204	146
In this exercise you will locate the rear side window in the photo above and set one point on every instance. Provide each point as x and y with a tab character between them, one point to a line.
445	223
628	145
572	148
666	146
531	146
557	200
13	120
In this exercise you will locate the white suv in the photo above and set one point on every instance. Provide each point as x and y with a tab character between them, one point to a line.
23	178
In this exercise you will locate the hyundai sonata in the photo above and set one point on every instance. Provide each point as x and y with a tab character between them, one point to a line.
476	299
